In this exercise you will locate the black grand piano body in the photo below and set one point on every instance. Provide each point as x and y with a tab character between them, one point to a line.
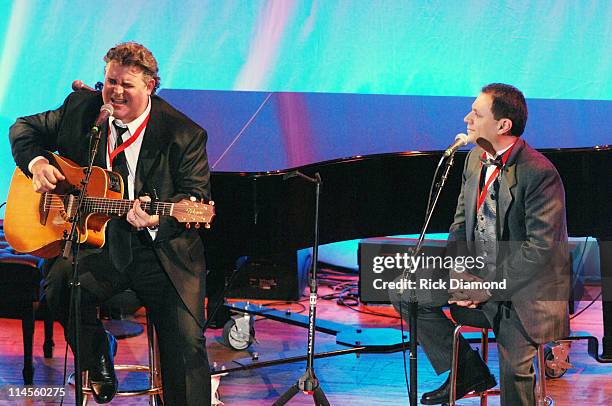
261	214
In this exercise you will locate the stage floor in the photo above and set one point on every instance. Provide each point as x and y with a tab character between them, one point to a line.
354	380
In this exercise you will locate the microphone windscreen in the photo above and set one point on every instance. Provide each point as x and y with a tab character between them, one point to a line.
107	107
79	85
463	137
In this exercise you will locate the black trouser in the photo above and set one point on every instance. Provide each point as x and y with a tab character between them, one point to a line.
184	362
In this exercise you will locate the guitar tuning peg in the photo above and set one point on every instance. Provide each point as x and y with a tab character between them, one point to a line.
212	203
206	226
197	225
193	198
187	226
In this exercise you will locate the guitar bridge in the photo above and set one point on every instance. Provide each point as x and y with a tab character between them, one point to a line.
69	213
43	208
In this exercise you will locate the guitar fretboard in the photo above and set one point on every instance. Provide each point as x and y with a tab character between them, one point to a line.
105	205
120	207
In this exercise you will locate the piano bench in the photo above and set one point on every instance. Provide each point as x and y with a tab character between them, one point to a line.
20	278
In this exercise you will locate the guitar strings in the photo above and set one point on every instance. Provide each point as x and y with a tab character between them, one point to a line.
121	206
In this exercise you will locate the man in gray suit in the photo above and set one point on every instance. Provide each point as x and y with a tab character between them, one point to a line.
511	214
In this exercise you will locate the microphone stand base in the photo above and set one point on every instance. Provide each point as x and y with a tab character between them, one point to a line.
309	384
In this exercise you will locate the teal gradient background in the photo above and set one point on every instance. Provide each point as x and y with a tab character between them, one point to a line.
549	49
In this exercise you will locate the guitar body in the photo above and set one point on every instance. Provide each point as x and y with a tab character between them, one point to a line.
36	223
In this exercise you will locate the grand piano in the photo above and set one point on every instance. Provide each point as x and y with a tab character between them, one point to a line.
263	214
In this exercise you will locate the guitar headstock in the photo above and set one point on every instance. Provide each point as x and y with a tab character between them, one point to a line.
193	211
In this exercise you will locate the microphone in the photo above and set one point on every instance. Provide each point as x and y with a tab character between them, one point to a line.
460	140
105	112
79	85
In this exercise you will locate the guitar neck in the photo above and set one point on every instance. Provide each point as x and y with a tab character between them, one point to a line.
120	207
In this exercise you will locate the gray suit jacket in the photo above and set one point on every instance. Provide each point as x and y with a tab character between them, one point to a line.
532	255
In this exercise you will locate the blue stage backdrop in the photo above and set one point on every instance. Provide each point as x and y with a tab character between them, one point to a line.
281	83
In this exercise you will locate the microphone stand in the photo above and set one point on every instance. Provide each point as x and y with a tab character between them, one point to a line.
71	246
308	383
413	302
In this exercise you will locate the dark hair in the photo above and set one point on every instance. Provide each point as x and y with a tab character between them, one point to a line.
135	54
508	102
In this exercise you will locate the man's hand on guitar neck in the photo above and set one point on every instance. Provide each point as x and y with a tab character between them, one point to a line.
45	176
140	218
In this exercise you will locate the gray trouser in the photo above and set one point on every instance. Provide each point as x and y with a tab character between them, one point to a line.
516	354
434	332
516	349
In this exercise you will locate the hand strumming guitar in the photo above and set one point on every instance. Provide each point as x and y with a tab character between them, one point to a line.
45	176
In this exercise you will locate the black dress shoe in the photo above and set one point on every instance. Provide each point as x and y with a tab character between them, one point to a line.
442	394
472	375
102	377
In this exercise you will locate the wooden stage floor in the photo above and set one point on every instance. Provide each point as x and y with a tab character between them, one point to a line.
368	379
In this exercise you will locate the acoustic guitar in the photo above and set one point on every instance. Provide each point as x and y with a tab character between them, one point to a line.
37	223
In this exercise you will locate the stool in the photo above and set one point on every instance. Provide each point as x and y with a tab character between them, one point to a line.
466	317
154	388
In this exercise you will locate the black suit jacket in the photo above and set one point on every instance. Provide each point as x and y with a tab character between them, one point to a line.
172	161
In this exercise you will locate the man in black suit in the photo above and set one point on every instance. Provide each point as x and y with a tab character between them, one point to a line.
511	214
159	152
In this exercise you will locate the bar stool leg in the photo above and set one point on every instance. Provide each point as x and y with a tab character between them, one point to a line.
454	366
86	385
541	398
154	371
484	349
484	342
154	390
